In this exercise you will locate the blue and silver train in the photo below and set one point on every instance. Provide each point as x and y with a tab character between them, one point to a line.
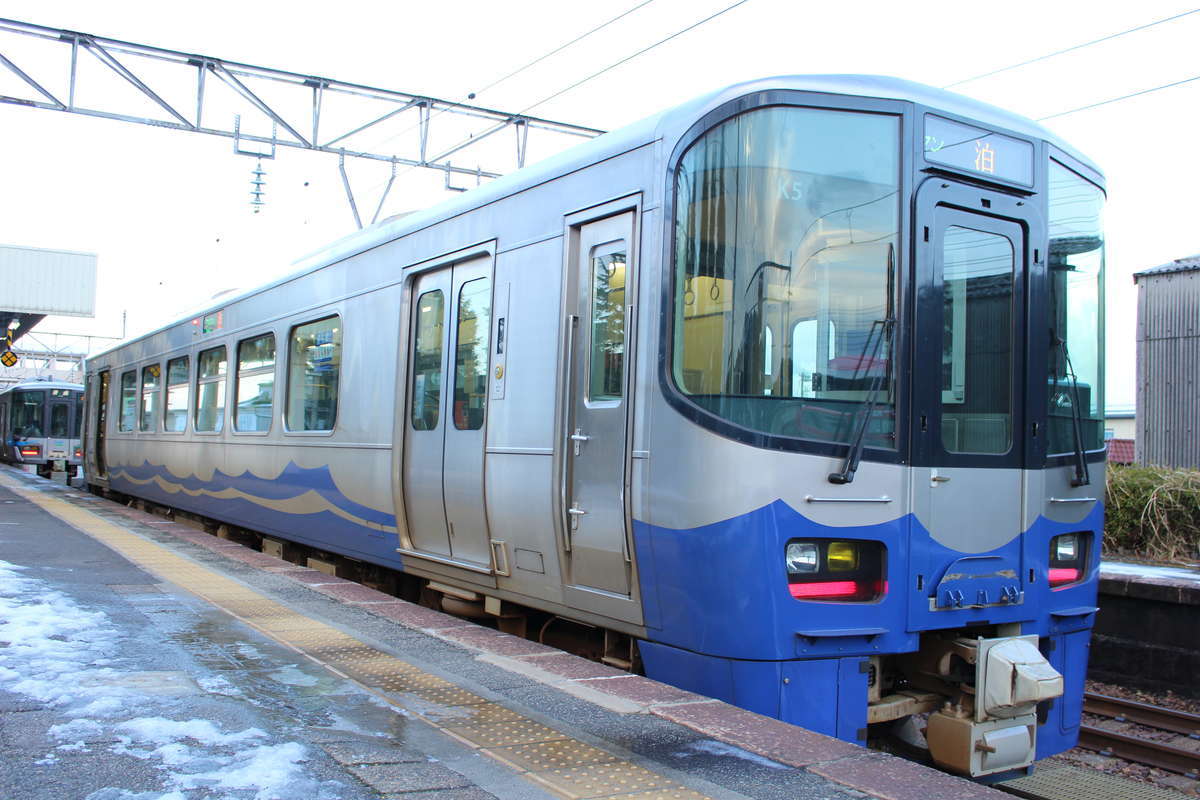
793	390
39	424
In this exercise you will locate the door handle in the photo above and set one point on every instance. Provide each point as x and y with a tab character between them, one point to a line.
579	438
935	479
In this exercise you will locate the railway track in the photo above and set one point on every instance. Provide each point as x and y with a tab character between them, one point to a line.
1163	755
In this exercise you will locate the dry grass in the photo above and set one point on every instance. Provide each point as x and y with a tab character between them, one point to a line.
1152	513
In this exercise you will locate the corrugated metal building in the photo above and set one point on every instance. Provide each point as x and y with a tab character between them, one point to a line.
1168	364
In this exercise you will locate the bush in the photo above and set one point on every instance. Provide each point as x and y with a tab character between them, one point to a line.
1153	513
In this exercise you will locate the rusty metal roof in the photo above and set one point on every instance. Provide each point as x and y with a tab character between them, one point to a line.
1178	265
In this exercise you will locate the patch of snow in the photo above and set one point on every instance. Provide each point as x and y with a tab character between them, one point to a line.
714	748
294	676
66	657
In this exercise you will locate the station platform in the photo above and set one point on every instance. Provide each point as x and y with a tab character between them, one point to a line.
141	658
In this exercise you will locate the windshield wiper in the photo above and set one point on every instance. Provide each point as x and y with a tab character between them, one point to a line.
1082	476
854	454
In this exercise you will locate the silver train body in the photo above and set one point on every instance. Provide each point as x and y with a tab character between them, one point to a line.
39	424
764	382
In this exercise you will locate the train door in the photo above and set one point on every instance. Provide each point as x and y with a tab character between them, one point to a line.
969	429
97	463
595	460
450	323
58	445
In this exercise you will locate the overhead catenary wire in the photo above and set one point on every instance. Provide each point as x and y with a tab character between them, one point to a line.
614	65
628	58
1071	48
1119	99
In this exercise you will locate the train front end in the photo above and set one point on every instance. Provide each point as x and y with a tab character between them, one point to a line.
881	383
41	425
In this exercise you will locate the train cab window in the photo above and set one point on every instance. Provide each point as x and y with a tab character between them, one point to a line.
27	412
785	240
427	361
60	420
129	401
607	376
471	360
314	361
255	384
210	390
977	287
1076	357
151	384
175	417
77	420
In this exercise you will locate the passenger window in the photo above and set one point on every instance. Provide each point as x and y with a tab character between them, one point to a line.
150	396
255	384
210	390
314	361
471	360
608	328
129	401
175	418
427	361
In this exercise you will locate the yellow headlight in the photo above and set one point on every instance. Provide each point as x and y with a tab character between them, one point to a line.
843	556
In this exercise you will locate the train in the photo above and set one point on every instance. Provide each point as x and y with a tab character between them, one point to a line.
793	391
40	421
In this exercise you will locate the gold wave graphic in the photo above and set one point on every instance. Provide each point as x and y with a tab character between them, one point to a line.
308	503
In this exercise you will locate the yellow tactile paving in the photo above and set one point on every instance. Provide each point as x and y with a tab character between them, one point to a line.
566	767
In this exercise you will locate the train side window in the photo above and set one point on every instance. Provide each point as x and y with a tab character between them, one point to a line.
255	384
314	360
427	361
471	359
151	384
210	390
175	417
128	401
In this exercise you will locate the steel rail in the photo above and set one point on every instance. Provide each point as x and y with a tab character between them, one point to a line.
1166	719
1131	748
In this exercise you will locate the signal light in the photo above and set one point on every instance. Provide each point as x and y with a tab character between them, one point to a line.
1060	576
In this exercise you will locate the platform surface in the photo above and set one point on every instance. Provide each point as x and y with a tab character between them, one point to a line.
141	659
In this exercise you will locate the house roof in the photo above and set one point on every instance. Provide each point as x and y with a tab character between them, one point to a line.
1120	451
1187	264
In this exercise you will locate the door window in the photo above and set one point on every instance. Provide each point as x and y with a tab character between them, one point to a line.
427	361
60	418
607	358
471	359
977	341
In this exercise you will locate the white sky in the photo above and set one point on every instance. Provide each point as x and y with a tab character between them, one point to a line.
168	212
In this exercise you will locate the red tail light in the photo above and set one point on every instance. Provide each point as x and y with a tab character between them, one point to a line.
31	450
827	589
1063	575
79	452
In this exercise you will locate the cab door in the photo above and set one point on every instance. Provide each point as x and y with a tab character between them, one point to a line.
970	432
598	391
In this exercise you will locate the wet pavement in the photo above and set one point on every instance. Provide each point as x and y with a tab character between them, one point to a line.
142	659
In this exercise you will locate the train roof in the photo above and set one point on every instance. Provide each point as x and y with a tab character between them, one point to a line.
671	123
40	383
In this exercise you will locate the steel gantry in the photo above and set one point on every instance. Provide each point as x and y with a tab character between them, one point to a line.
44	86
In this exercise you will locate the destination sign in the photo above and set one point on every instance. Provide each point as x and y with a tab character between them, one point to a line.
971	149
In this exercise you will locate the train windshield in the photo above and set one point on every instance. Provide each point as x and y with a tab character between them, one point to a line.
786	233
1076	357
27	414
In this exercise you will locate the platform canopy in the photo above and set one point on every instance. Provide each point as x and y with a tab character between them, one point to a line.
35	282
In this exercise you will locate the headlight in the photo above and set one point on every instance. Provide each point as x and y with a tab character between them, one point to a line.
801	557
1066	547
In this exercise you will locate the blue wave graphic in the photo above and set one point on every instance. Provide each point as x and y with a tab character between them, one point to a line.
293	482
